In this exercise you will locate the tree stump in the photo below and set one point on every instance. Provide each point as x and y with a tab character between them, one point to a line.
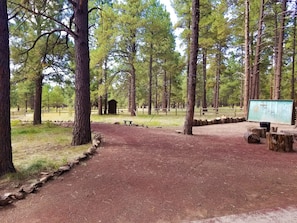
280	142
261	132
251	137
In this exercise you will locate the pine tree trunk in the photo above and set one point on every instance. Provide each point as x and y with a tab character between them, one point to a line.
169	93
204	101
276	36
278	70
133	92
256	69
38	100
164	95
6	164
133	76
150	81
105	87
246	58
100	102
156	93
129	93
218	76
188	125
293	62
82	126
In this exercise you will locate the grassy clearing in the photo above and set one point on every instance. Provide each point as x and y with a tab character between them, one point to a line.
40	148
173	118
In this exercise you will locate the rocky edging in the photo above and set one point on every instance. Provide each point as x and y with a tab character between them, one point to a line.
218	120
10	197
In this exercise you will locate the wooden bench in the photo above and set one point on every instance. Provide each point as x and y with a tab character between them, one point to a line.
129	122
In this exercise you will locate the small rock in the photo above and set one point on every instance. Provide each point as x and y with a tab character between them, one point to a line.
5	201
46	178
20	196
82	157
37	184
92	150
64	168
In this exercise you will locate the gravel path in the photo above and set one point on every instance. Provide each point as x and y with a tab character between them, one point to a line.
156	175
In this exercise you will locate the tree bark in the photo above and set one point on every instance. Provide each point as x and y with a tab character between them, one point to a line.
150	81
133	92
6	164
280	142
38	100
165	92
133	76
188	125
204	101
105	86
293	61
169	93
82	126
256	68
100	102
246	58
251	137
278	70
218	77
156	92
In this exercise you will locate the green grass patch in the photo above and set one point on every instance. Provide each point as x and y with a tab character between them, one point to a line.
40	148
174	117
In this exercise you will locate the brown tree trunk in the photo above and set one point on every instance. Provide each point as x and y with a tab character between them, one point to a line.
133	76
100	102
156	93
165	92
105	87
38	100
218	77
293	62
278	70
82	126
188	53
276	31
150	81
256	69
204	101
169	93
188	125
129	93
6	164
246	58
133	92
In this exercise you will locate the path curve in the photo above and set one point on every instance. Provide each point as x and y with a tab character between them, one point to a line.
156	175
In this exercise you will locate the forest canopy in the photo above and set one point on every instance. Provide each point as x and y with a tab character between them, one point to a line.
135	59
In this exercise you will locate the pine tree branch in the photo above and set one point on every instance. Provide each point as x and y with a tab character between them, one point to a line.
65	27
94	8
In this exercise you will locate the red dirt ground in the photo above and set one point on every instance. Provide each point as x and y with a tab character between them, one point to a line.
157	175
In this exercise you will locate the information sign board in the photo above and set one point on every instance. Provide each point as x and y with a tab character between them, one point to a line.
274	111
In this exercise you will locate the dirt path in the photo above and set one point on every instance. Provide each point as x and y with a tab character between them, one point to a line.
157	175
